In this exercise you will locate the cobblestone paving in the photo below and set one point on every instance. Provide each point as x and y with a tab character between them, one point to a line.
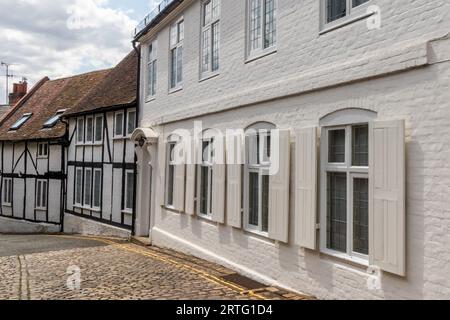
118	271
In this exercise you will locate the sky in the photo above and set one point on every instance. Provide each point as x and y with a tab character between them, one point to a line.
65	37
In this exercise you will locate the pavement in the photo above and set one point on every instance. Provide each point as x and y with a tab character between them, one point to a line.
41	267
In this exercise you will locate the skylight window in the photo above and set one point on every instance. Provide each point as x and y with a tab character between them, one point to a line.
21	121
53	120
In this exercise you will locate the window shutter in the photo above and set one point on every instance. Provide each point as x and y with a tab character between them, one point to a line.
387	196
279	187
218	187
234	148
179	182
190	177
162	172
306	188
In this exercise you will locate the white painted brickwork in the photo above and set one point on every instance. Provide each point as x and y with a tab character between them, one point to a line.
397	71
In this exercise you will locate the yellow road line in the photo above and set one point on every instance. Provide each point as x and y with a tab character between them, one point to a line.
203	274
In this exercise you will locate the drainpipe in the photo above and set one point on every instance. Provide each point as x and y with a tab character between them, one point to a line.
66	144
138	103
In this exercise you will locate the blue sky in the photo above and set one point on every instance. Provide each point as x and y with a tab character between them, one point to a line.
66	37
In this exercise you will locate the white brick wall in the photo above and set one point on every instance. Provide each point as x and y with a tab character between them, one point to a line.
420	96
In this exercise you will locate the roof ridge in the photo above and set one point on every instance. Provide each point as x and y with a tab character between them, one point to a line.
24	99
81	75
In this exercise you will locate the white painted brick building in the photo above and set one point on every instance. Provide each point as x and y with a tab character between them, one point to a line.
357	80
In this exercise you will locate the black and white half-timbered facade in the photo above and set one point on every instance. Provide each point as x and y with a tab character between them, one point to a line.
101	157
33	142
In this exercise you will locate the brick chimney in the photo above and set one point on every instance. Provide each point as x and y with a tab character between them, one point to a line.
19	91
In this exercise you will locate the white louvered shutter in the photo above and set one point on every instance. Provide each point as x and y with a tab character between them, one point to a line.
179	181
306	188
163	155
218	181
279	189
191	176
387	196
234	152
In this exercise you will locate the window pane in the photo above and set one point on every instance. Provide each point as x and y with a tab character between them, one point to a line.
181	31
255	24
173	68
97	188
151	79
170	185
358	2
39	195
179	65
119	124
129	191
173	35
336	146
87	187
360	138
336	9
361	216
206	50
215	48
215	9
98	129
253	214
89	129
44	194
131	122
80	130
265	203
270	28
204	190
337	212
207	13
154	78
78	186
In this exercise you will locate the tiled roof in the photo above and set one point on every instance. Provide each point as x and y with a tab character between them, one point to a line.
118	88
43	101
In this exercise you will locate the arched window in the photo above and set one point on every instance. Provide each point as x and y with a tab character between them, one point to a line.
345	182
171	163
205	173
256	178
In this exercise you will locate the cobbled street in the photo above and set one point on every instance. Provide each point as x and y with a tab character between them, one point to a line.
78	268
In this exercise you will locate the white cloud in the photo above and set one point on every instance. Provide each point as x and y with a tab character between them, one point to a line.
61	38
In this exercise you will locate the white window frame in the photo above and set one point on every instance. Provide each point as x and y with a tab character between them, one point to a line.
353	14
89	140
176	46
351	172
41	199
99	142
152	70
253	54
45	146
122	133
77	177
128	133
208	163
172	141
80	135
262	169
126	209
7	196
208	27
